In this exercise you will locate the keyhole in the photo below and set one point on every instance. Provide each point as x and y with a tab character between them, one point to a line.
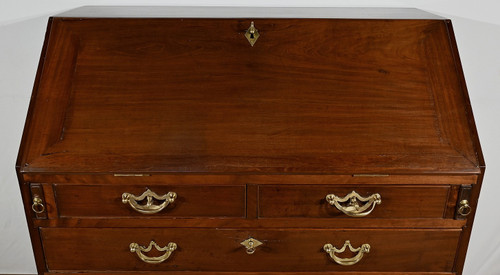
252	34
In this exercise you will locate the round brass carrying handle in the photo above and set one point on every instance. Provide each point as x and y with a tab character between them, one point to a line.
331	250
350	206
149	207
37	205
138	249
465	208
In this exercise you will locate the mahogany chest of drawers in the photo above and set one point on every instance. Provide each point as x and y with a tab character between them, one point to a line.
249	140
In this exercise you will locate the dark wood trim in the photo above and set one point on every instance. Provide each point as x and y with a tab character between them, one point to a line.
157	179
467	229
256	223
24	185
29	115
465	236
59	63
465	94
247	273
33	230
255	273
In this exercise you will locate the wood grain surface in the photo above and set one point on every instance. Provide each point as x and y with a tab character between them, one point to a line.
251	139
309	201
191	201
191	95
103	249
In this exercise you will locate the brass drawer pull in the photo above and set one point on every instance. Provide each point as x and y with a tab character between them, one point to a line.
250	244
464	209
149	207
331	250
37	205
353	208
134	247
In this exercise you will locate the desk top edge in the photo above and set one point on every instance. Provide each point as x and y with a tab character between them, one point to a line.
246	12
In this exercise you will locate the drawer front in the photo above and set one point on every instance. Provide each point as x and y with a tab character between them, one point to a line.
220	249
189	201
277	201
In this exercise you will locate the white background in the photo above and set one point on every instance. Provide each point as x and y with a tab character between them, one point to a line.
477	29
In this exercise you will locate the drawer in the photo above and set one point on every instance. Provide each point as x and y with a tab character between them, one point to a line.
99	249
394	202
188	201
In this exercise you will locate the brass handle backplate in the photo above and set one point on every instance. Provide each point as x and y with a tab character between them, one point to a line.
134	247
331	250
465	208
350	206
250	244
252	34
37	205
149	207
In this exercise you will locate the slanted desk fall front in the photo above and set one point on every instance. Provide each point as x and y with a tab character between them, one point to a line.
249	140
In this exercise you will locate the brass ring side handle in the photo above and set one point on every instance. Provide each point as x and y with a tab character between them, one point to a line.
37	205
465	208
331	250
138	249
350	205
149	207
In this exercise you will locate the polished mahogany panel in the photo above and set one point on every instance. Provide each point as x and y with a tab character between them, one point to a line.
220	249
191	201
279	201
251	138
192	95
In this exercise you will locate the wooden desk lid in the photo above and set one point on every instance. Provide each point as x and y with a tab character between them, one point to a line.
331	96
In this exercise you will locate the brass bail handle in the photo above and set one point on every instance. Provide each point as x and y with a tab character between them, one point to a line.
139	250
331	250
149	207
350	204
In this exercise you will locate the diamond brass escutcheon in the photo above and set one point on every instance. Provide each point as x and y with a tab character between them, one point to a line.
250	244
252	34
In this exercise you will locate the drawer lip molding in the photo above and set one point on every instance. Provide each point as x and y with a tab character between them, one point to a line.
404	250
237	179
